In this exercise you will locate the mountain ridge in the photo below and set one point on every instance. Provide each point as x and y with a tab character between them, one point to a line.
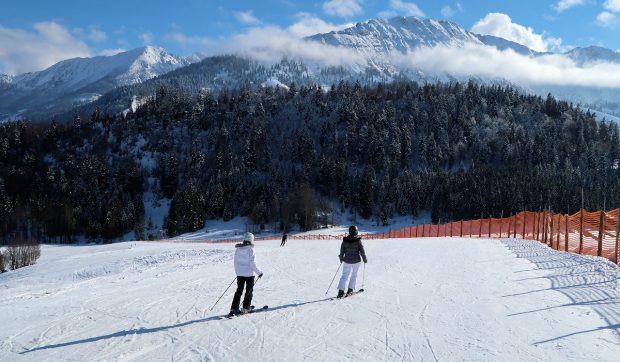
377	40
80	80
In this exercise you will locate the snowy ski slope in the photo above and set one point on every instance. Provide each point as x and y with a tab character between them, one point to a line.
425	300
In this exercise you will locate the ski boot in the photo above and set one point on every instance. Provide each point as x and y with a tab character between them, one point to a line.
340	294
349	292
234	312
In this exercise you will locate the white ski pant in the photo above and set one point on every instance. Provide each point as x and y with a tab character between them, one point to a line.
349	269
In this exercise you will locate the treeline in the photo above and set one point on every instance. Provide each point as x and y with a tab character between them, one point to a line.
290	156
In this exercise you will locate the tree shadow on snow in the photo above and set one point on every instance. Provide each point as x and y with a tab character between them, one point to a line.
585	281
139	331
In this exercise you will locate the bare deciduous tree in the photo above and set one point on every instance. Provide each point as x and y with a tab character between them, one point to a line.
22	253
2	262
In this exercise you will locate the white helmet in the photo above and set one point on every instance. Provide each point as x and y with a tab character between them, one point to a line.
248	237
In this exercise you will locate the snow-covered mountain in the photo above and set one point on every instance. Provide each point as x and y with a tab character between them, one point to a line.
5	79
593	54
380	43
80	80
379	39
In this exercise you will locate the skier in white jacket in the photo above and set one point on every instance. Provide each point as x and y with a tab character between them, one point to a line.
245	267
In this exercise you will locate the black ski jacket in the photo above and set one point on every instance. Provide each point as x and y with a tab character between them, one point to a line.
351	249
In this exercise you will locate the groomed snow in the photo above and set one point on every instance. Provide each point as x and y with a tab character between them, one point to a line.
426	300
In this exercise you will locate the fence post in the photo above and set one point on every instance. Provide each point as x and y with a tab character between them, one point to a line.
535	227
490	226
557	227
545	227
550	238
617	236
480	229
451	223
580	231
601	230
557	240
566	234
523	234
541	227
549	229
501	222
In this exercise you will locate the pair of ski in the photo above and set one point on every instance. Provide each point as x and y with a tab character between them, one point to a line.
349	295
252	310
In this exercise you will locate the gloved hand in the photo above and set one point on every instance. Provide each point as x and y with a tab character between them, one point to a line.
341	258
260	275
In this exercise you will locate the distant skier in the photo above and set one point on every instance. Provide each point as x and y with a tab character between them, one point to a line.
284	237
350	251
245	267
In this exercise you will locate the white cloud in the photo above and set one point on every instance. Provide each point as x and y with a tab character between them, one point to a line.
501	25
24	51
612	5
272	43
606	19
563	5
189	43
246	17
308	24
609	19
109	52
448	11
484	61
96	35
387	14
147	38
343	8
404	8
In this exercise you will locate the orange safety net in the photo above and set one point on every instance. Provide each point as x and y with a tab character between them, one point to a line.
591	233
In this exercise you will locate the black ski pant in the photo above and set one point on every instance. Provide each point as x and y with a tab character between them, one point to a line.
283	242
248	282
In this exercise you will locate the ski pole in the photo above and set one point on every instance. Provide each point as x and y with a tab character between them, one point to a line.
231	283
330	284
364	276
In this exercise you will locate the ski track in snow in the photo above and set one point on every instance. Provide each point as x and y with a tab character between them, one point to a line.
427	299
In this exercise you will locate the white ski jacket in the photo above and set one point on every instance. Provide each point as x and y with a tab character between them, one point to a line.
245	261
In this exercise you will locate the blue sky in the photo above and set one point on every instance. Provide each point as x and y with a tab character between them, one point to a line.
36	34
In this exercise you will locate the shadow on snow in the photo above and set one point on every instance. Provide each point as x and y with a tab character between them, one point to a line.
139	331
585	281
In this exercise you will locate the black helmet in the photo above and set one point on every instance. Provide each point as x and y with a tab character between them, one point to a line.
353	230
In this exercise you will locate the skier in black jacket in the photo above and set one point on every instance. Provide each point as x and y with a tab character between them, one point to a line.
350	251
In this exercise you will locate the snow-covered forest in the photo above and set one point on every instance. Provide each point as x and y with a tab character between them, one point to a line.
285	156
